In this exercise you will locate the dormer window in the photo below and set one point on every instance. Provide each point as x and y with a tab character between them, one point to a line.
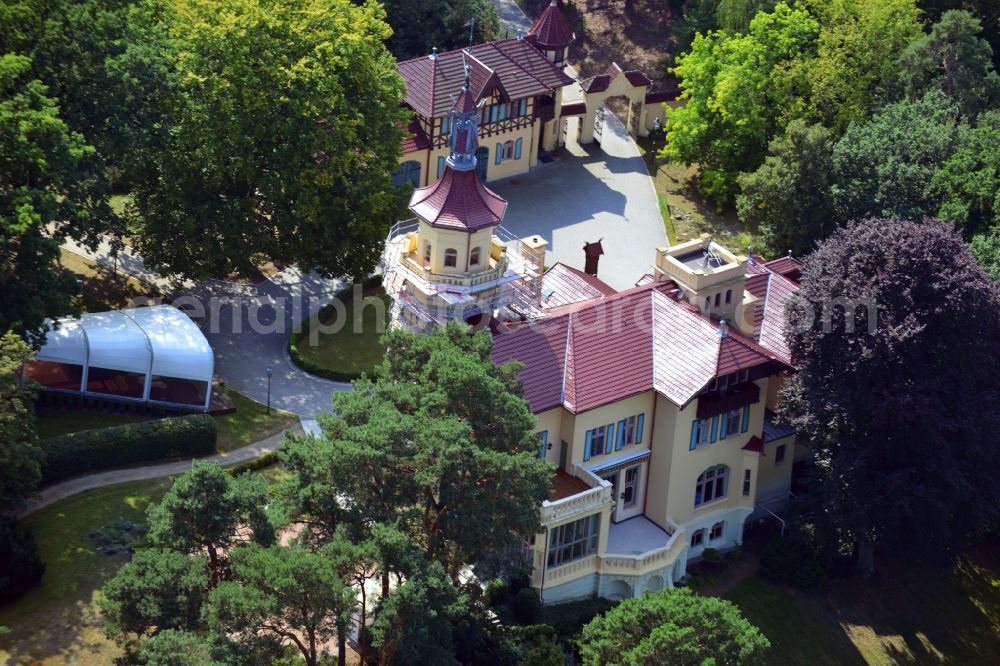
450	258
474	257
445	125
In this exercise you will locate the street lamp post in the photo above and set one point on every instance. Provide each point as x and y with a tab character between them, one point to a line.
270	371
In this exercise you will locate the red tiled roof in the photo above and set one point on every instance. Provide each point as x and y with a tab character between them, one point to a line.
514	66
645	279
637	78
550	30
641	339
458	200
659	96
788	266
466	102
772	326
597	83
568	285
418	139
755	444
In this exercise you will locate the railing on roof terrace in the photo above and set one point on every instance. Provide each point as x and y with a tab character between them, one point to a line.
653	559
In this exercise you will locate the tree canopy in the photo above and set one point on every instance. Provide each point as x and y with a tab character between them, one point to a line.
438	443
20	451
49	181
790	196
278	142
672	627
419	27
897	315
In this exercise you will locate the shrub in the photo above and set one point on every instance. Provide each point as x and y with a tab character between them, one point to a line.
89	450
20	567
568	618
527	606
793	560
712	557
496	592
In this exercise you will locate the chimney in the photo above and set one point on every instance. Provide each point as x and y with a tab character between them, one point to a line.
592	253
434	53
723	329
520	34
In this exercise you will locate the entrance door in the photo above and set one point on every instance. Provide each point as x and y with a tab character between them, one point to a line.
630	505
482	161
563	450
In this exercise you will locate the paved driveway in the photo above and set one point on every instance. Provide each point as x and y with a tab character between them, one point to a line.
248	327
511	16
591	193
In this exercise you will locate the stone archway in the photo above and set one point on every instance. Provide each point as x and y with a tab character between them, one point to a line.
615	83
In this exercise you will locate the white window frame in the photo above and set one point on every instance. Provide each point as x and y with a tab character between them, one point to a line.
451	258
711	480
721	527
704	431
733	425
699	536
573	541
474	256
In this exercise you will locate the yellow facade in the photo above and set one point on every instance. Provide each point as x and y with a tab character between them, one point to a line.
669	479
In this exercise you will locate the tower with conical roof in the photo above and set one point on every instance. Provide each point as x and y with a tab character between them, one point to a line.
454	262
551	34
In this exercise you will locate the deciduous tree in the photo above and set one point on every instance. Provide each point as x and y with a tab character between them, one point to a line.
672	627
885	167
20	452
278	143
790	197
418	27
896	394
968	181
986	248
49	178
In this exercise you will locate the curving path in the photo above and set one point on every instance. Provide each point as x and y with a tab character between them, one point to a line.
64	489
511	16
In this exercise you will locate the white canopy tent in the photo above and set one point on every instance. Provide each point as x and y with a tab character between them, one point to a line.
155	354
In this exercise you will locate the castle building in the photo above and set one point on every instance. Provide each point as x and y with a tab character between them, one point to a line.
527	100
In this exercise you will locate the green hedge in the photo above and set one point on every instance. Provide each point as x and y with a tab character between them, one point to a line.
303	330
90	450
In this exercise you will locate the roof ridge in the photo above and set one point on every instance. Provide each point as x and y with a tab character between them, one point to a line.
516	63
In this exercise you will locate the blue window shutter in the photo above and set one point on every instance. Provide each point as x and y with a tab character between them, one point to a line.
498	156
440	166
714	435
694	434
609	438
621	435
746	419
586	446
517	148
724	425
524	107
638	429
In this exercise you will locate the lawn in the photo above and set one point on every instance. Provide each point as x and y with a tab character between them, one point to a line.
249	423
910	613
53	421
100	289
686	213
354	346
57	622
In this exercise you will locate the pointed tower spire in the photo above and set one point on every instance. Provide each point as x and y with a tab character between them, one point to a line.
465	116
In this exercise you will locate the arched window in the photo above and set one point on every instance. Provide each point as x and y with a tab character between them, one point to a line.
450	257
711	485
474	257
427	252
